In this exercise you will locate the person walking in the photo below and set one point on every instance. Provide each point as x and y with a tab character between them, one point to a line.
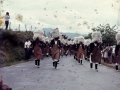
95	49
26	50
56	46
80	49
117	51
37	51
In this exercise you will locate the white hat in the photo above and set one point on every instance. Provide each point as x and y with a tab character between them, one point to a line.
75	40
118	37
41	32
55	33
43	38
61	37
70	42
63	41
96	36
87	41
80	39
38	34
35	36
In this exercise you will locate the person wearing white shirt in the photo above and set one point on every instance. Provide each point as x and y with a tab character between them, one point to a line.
7	17
29	43
26	46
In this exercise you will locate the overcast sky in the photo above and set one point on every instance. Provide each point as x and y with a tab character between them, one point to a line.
68	15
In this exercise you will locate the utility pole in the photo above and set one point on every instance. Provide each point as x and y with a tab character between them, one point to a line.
25	28
19	27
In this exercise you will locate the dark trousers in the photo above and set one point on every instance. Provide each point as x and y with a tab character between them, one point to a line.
6	24
27	55
37	62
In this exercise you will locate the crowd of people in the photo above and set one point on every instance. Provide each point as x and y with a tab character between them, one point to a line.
67	46
59	46
80	48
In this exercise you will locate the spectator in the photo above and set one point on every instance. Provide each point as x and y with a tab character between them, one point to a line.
7	17
107	48
26	46
30	51
110	56
113	54
29	43
29	48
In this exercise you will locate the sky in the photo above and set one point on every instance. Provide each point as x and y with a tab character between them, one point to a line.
75	16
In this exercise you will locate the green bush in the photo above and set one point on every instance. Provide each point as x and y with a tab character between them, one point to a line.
13	45
16	38
12	38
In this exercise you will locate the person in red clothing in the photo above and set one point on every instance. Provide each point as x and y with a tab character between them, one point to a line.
56	46
37	46
95	49
80	49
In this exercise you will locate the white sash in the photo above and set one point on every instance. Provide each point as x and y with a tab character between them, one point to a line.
55	42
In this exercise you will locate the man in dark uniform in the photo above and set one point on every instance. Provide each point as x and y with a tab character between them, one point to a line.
95	49
66	46
56	45
80	49
75	47
117	51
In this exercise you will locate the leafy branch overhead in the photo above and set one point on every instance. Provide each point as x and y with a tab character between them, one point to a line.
108	33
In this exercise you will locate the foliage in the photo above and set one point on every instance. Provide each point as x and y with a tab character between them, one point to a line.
16	38
108	33
12	47
89	36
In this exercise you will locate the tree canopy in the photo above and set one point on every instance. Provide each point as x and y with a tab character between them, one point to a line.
108	33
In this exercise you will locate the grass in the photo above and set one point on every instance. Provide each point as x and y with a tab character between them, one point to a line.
12	46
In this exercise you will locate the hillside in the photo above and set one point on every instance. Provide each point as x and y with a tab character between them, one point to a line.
12	46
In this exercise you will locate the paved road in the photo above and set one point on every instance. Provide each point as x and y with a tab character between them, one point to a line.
69	76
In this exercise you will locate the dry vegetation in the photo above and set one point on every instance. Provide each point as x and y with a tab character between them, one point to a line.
12	46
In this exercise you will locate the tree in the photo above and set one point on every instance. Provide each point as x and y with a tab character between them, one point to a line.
108	33
89	36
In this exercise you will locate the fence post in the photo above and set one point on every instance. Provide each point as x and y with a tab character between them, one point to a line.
31	28
25	28
9	25
19	27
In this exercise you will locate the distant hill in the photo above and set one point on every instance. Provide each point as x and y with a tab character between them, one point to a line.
70	35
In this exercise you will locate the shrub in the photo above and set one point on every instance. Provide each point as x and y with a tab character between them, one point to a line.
13	45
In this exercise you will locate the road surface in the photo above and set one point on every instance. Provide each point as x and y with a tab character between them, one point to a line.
69	76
